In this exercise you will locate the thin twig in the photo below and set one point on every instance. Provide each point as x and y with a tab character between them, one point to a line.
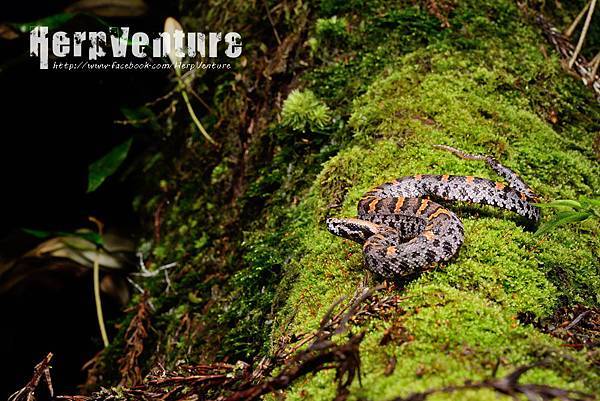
166	96
569	31
193	92
144	120
195	119
97	300
182	89
41	370
272	23
577	320
586	25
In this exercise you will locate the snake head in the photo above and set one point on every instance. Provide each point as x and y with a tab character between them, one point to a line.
353	229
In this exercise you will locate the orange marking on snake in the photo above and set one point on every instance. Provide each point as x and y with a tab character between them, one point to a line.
500	186
373	204
522	196
423	206
429	235
391	250
435	214
376	245
418	177
399	204
445	178
470	179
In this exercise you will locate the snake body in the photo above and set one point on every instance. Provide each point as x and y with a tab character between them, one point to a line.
404	230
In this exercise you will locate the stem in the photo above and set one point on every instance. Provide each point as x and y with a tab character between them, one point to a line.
194	118
574	24
186	99
99	313
586	25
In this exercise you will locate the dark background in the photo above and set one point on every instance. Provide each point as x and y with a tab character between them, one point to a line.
54	124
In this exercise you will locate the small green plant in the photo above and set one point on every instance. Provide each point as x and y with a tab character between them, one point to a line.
79	247
302	111
331	28
569	211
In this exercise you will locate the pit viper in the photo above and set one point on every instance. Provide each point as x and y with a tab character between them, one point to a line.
404	230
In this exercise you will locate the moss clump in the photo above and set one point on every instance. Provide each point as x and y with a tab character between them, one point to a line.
302	111
329	29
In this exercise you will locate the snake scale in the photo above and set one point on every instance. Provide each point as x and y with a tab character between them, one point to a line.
404	230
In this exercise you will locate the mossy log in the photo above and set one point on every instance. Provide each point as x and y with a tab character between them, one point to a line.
378	84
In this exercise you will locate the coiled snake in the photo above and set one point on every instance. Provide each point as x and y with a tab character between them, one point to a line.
404	231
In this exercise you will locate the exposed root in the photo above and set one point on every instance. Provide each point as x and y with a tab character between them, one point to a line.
322	355
365	304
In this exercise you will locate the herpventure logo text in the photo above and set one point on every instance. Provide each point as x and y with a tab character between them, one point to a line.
117	49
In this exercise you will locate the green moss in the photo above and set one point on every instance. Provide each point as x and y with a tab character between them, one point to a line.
253	292
454	334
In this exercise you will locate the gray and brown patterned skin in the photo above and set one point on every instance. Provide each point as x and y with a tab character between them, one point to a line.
404	230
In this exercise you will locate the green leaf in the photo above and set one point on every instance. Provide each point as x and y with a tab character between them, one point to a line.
37	233
104	167
560	219
90	236
558	203
53	21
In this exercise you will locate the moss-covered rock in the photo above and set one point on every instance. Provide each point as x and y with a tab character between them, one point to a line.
395	81
464	316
